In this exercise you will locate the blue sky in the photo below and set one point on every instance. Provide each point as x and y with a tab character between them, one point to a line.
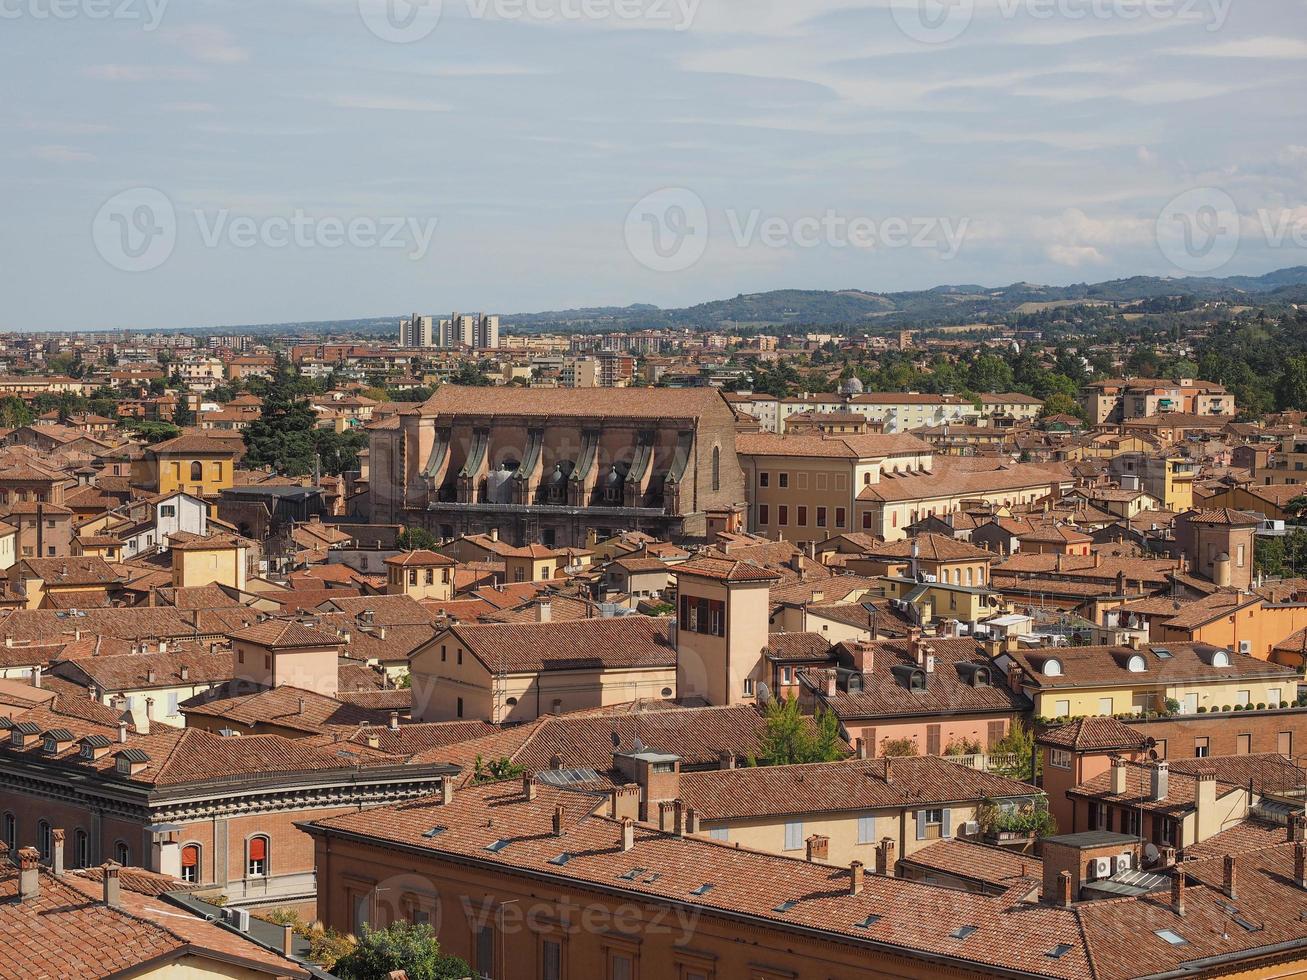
501	154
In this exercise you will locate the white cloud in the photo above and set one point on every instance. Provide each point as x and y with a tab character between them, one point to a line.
62	154
1250	47
1074	256
211	45
383	103
141	73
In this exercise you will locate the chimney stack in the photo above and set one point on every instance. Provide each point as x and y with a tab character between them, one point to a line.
1177	891
855	878
628	834
112	890
29	874
446	791
528	786
1231	885
394	721
1118	776
1297	830
558	821
57	852
678	818
1300	864
288	941
691	821
818	848
1064	889
122	731
1160	782
885	857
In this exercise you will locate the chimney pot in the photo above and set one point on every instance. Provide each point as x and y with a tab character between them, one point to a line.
1300	864
446	791
288	941
394	721
628	834
122	731
112	889
558	821
1177	891
855	878
1064	889
1231	883
885	857
818	848
528	786
29	874
57	852
1118	776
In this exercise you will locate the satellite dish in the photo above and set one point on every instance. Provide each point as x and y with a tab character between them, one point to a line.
1150	742
1152	755
1151	852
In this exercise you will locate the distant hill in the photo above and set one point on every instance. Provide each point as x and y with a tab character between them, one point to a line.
940	306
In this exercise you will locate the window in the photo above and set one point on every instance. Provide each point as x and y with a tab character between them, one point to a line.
783	516
361	903
44	840
122	854
720	833
821	516
783	480
840	516
257	865
1130	822
803	516
168	510
1273	697
1200	747
1059	758
794	835
485	951
932	824
764	479
1243	698
1243	744
460	708
1061	709
764	515
1285	744
431	577
551	960
81	850
191	864
867	829
1104	706
716	468
748	687
621	966
197	471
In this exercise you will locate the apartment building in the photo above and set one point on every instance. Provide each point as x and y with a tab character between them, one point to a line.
461	331
1120	401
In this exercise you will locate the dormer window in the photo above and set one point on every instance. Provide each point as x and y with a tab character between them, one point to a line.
1220	659
1136	665
1052	667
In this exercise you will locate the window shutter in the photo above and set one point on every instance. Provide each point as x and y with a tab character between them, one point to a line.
947	829
259	849
921	825
190	856
867	830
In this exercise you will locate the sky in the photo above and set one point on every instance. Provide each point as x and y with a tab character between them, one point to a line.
180	163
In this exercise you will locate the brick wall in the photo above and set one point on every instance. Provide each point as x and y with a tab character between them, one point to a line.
1261	731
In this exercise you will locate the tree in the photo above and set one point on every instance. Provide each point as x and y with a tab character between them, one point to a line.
1060	404
470	375
792	738
14	413
152	432
416	539
339	451
1019	745
182	414
283	438
400	946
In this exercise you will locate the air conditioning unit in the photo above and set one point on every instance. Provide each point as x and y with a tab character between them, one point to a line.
1125	861
1102	868
1245	646
971	829
238	919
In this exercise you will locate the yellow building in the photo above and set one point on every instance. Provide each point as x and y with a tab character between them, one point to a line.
421	575
1070	682
197	464
214	559
534	563
510	672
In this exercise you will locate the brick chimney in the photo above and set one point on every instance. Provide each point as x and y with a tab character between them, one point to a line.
1231	885
1297	829
885	857
628	834
446	791
666	818
818	848
691	821
626	802
558	821
855	878
1177	891
112	890
726	759
1064	889
529	786
29	874
1118	776
1300	864
57	852
678	818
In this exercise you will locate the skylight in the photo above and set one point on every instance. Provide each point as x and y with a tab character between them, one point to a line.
1172	937
435	832
1161	653
962	932
868	922
631	875
703	889
786	905
497	846
562	859
1058	951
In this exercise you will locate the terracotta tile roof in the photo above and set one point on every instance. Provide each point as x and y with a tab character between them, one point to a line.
798	646
872	446
725	569
931	547
1225	517
131	672
627	641
420	559
281	707
193	443
610	403
70	571
285	633
952	476
1180	798
836	787
1094	666
995	866
1098	734
890	914
948	690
